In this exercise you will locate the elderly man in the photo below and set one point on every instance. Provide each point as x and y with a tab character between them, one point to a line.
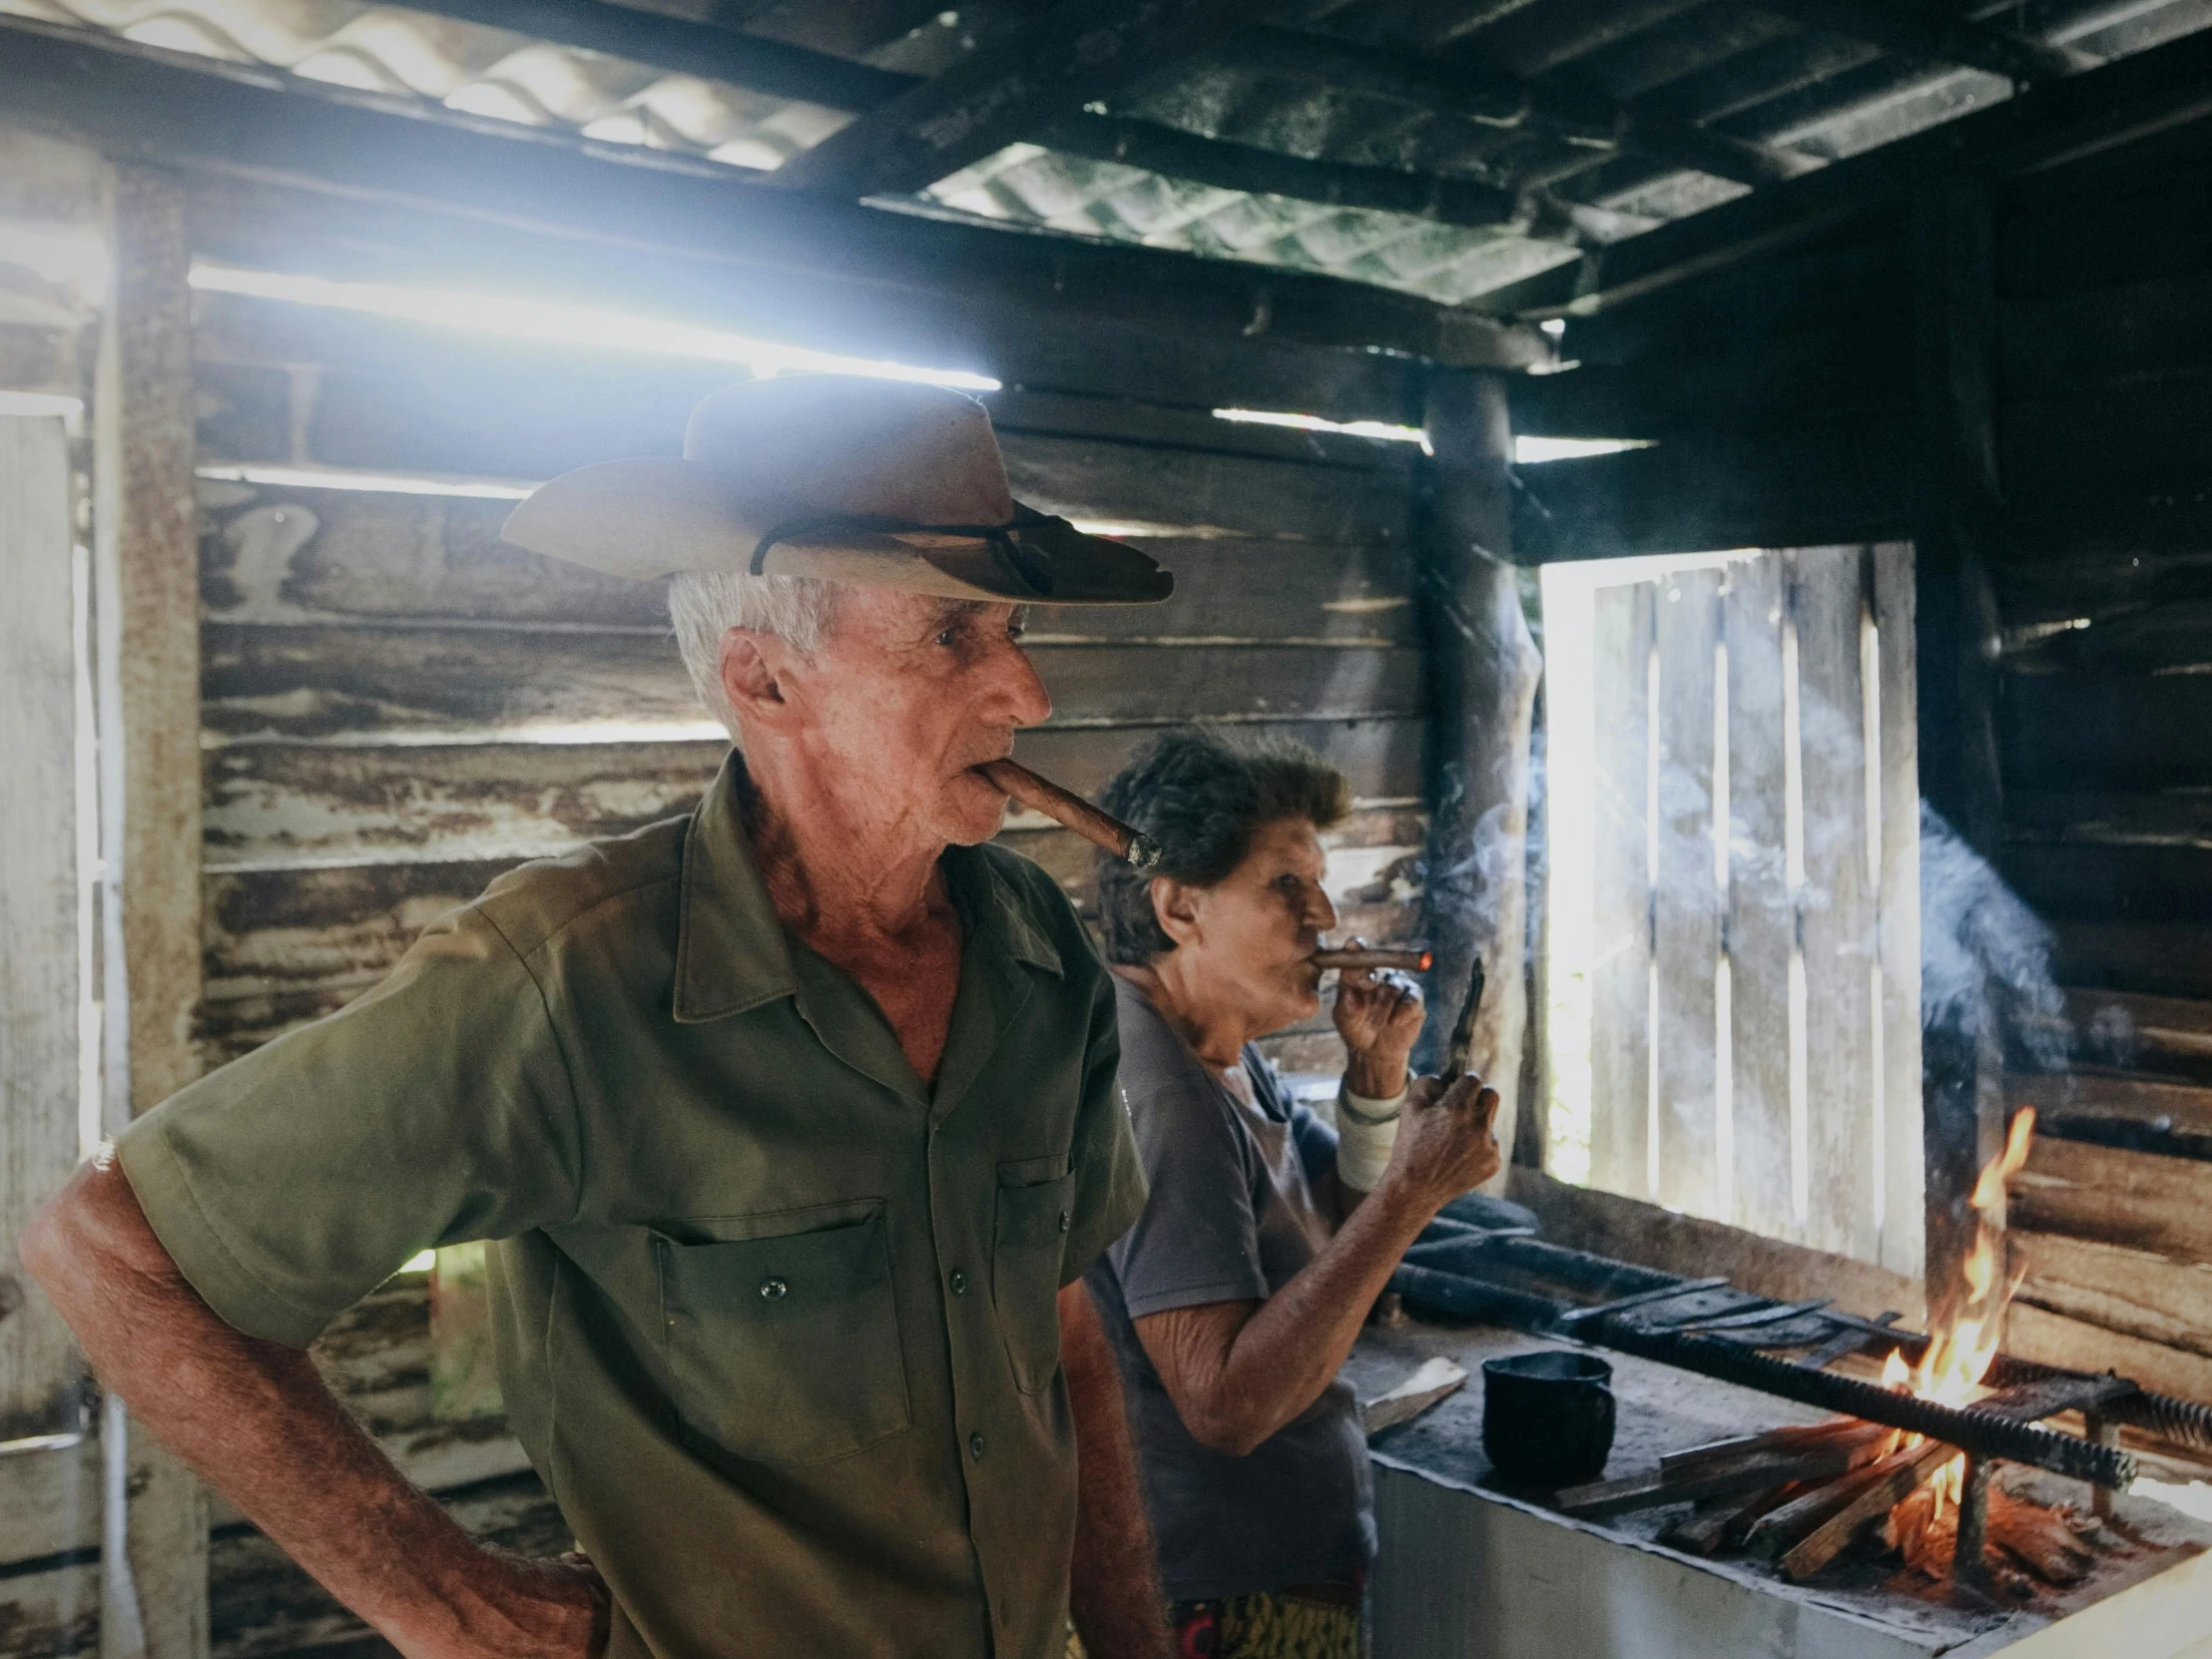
794	1119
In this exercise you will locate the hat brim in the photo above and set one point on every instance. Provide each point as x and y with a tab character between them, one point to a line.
654	517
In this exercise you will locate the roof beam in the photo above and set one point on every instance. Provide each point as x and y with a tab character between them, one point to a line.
1075	54
826	263
662	42
1492	99
1917	32
1175	154
2044	127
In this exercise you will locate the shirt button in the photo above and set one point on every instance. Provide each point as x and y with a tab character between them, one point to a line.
1063	1221
976	1446
958	1283
774	1290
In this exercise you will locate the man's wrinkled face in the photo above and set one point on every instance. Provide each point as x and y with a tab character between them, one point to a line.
908	692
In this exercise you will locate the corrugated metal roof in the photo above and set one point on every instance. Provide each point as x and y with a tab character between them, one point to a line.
1752	73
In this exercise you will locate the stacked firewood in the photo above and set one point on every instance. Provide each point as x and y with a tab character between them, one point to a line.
1800	1497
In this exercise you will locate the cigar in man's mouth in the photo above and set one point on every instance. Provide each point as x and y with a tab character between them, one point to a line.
1416	959
1071	811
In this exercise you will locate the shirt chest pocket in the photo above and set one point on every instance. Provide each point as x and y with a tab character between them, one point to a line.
1028	1245
784	1349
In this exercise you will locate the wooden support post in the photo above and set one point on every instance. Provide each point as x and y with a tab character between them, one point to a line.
1957	497
39	1054
1484	670
153	1599
1968	1563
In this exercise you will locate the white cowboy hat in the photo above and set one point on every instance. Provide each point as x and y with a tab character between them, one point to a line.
838	477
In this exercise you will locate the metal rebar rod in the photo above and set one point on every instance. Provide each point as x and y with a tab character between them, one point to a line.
1966	1428
2101	1429
1968	1562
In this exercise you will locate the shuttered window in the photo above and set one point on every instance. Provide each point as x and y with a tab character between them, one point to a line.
1733	918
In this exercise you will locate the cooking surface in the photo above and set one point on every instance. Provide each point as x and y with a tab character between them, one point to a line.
1661	1410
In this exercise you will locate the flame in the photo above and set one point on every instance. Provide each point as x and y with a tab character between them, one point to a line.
1957	1357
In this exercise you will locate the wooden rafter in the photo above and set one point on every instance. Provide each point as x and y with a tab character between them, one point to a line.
720	54
2043	126
1492	99
1074	55
1175	154
1918	32
839	259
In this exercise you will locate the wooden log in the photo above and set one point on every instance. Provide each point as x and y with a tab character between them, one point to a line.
1043	72
1752	1473
2113	732
2134	1291
1109	352
1870	1499
2101	1099
1621	1096
1831	481
40	995
1435	1379
2036	1333
2165	883
284	805
338	683
2172	960
2137	1200
1785	1438
1720	1522
328	555
1482	673
1687	901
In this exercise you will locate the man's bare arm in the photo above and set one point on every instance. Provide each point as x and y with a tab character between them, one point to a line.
256	1422
1238	1372
1120	1611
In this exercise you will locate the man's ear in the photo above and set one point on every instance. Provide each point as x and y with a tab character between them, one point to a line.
755	677
1175	907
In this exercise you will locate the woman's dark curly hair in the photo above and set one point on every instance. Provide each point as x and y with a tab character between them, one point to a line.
1202	795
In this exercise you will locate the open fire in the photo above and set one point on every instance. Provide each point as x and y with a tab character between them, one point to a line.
1957	1357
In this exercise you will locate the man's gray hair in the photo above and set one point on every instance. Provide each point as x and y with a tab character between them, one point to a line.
704	605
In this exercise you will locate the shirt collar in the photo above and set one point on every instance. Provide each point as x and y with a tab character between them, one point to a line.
731	954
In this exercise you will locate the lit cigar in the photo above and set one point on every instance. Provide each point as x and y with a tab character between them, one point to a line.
1412	960
1100	829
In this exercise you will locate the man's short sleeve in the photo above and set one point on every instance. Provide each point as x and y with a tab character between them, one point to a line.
435	1109
1198	1239
1109	1182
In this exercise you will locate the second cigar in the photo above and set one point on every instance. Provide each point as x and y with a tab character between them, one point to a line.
1410	959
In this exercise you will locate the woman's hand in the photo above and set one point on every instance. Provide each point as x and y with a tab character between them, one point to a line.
1445	1146
1379	1015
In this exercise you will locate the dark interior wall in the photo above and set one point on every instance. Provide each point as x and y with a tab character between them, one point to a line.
396	707
1781	396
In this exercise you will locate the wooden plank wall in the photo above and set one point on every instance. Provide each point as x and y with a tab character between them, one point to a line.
395	706
1779	395
2104	588
1743	882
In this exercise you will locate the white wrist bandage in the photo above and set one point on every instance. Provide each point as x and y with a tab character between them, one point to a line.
1366	1130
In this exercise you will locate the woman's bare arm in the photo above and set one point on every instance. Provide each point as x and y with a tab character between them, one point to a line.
256	1422
1237	1371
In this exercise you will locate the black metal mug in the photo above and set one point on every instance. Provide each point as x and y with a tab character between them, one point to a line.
1547	1418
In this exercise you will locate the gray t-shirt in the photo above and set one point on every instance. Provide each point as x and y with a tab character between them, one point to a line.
1231	1218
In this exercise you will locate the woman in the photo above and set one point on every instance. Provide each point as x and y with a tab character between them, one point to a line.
1235	1298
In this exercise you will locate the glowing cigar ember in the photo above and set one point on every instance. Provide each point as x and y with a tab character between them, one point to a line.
1412	960
1072	811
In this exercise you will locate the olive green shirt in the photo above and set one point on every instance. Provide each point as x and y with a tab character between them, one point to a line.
776	1321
